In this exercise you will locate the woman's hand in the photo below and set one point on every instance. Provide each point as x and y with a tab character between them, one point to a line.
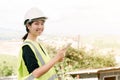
60	55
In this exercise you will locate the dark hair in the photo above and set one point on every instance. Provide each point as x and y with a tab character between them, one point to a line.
29	23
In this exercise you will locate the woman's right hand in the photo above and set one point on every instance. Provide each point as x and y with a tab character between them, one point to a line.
60	54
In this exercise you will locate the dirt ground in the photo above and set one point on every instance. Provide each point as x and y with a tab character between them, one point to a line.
10	47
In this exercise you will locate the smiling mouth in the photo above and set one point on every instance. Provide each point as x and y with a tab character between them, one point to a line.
38	30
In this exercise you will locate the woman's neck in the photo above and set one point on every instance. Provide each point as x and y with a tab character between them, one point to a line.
32	37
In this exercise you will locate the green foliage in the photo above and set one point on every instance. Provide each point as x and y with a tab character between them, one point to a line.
80	59
8	65
88	60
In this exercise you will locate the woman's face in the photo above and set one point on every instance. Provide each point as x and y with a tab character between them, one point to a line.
36	28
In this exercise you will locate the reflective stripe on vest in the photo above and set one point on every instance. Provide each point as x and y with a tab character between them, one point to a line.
31	77
53	77
37	53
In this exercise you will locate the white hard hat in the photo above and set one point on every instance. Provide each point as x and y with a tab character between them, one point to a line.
34	13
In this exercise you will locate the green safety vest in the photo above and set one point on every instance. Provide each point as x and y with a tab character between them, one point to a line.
42	59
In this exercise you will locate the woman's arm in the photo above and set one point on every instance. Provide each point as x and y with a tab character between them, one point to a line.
43	69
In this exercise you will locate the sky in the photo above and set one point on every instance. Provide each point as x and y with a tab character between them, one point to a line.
65	16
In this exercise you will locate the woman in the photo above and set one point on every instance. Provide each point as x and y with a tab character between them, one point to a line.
34	62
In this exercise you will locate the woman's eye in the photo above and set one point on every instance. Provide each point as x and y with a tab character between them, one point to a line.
42	23
36	23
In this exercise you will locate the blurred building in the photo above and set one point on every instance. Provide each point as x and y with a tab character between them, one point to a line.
110	73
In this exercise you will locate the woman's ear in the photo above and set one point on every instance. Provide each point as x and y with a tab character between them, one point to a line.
28	26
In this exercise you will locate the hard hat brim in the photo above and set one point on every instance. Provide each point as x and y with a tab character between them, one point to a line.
35	19
39	18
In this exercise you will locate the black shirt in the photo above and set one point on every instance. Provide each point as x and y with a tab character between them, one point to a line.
29	58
